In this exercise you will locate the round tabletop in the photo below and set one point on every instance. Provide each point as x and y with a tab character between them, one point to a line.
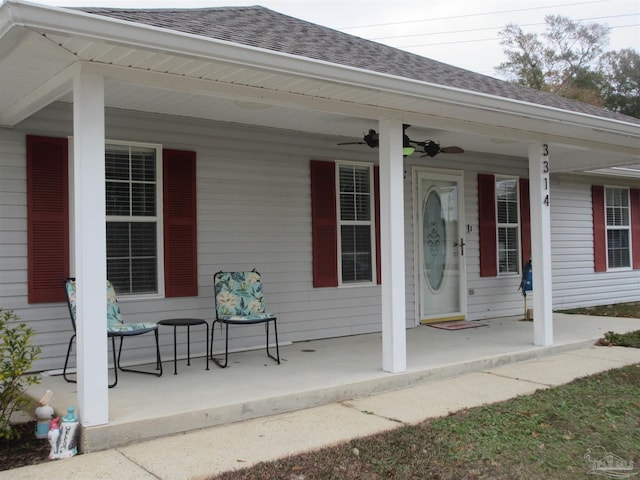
181	322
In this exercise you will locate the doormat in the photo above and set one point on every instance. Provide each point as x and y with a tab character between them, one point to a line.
457	325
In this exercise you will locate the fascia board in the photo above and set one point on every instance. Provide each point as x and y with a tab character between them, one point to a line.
68	22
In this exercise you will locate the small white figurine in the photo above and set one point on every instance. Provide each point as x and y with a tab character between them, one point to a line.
63	436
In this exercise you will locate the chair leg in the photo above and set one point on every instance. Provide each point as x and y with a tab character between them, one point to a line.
158	359
226	347
115	362
275	329
66	361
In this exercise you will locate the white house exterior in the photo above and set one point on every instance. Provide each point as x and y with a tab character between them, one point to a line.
242	113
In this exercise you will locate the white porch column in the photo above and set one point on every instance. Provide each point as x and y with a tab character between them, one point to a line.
394	339
540	199
90	246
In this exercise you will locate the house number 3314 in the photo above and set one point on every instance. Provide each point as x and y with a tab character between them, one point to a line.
545	173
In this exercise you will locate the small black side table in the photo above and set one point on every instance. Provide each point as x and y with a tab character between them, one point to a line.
185	322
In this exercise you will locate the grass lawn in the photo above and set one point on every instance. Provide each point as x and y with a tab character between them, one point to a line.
550	434
544	435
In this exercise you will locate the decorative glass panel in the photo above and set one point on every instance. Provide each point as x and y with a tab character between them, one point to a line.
435	240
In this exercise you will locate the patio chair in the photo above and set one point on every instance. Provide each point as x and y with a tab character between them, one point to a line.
115	328
239	300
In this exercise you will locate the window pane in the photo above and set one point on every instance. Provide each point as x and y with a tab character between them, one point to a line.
117	162
143	201
618	248
363	209
356	253
355	194
347	207
117	201
143	275
508	250
131	192
507	200
143	239
618	230
143	164
131	256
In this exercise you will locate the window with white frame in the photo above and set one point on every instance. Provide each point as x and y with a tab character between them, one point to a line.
508	225
355	220
133	217
618	227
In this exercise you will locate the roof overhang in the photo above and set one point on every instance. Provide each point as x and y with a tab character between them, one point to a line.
42	47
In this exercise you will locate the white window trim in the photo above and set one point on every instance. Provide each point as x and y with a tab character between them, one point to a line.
507	225
618	227
371	223
158	219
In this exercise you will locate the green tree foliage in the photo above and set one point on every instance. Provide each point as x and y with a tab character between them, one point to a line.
17	356
569	59
621	88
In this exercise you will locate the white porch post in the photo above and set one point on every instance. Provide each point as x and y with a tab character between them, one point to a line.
540	199
90	246
394	340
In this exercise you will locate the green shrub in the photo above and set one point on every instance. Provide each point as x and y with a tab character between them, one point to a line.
18	355
630	339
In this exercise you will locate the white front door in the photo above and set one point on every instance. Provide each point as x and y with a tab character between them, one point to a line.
440	245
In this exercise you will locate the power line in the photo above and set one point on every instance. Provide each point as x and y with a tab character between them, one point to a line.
495	28
483	39
472	15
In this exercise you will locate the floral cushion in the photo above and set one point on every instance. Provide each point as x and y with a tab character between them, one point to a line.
239	296
114	316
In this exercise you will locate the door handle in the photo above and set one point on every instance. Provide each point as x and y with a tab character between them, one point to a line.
461	245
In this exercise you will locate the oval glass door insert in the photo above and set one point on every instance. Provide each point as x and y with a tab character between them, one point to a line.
434	239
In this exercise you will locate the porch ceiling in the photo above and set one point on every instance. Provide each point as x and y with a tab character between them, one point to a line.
214	80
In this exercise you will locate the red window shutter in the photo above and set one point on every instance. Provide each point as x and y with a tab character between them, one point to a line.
324	226
376	194
47	218
180	227
487	221
599	229
525	221
634	194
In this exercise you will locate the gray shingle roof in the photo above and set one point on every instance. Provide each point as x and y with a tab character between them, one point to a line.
260	27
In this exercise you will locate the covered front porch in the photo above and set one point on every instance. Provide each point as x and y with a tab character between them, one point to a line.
312	373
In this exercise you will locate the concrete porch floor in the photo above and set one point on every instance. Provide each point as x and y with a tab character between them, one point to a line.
311	373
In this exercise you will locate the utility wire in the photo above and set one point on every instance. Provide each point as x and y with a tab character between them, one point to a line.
483	39
495	28
472	15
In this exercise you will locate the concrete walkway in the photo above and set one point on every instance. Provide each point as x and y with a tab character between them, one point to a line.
217	449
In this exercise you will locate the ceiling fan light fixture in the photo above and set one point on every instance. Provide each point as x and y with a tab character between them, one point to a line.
407	148
431	148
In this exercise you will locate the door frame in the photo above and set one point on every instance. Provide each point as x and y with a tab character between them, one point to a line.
438	174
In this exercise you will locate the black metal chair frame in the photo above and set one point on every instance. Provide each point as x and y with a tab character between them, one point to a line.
226	323
112	335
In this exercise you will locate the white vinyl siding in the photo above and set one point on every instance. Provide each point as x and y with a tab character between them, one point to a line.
254	210
575	283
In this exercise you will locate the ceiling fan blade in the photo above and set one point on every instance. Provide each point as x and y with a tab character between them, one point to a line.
451	150
352	143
